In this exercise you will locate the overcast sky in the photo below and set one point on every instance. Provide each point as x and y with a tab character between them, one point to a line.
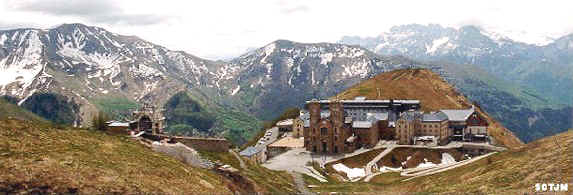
224	28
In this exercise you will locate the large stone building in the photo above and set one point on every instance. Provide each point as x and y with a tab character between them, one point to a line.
415	126
467	124
328	133
441	127
337	126
406	127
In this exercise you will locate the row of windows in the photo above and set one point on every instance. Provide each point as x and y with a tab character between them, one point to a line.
430	126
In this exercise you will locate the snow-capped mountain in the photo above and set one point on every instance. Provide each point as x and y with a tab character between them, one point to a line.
87	63
285	73
546	68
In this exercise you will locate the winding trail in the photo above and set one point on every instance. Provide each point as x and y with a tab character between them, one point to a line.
299	181
241	162
368	167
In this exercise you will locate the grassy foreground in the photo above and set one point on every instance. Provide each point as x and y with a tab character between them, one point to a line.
38	157
515	171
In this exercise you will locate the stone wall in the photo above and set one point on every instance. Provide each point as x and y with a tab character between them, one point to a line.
197	143
205	144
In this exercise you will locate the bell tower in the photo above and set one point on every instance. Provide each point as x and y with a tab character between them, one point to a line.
336	113
314	109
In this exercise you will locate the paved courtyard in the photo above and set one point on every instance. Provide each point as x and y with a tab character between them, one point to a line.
297	158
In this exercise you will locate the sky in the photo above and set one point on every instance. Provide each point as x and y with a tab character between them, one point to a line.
220	29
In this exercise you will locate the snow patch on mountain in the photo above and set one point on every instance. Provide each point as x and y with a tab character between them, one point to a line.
236	90
25	62
359	69
144	71
436	44
268	50
3	39
326	58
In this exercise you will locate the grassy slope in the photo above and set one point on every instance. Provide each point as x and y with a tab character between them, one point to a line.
515	171
118	108
36	156
14	111
428	87
228	118
529	96
267	181
548	160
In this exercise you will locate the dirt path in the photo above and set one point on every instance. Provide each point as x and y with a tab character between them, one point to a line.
241	162
299	181
368	167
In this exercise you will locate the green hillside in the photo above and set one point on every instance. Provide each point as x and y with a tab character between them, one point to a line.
39	158
11	110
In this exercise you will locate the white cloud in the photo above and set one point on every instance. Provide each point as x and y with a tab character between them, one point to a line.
219	28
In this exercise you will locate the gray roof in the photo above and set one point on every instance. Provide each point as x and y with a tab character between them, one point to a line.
286	122
434	117
361	124
304	114
250	151
371	101
118	124
377	116
458	115
411	115
305	117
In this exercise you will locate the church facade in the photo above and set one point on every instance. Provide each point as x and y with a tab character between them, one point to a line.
340	126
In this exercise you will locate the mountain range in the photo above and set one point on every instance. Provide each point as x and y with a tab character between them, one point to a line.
539	77
100	70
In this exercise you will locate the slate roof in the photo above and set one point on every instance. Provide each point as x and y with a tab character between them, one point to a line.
369	101
250	151
410	115
118	124
286	122
434	117
458	115
361	124
377	116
